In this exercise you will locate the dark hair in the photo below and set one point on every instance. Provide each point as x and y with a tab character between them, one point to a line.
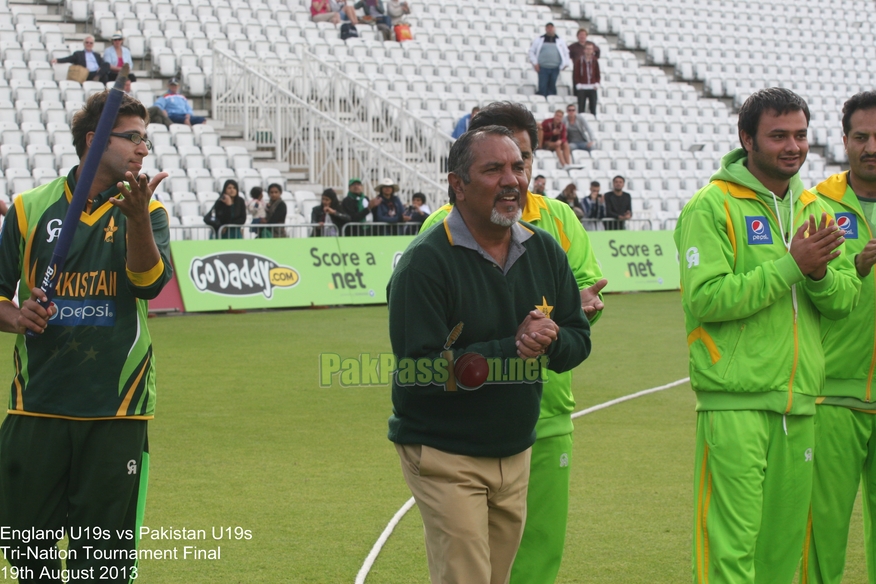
570	187
863	100
132	78
420	196
514	116
461	155
256	192
538	176
594	183
230	181
331	194
619	177
775	99
272	185
85	120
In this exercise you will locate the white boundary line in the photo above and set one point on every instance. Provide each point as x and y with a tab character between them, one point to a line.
378	545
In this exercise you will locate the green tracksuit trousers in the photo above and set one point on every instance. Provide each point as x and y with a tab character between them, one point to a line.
547	509
86	479
752	487
844	455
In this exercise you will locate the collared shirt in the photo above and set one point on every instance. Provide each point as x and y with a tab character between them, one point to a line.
91	61
100	198
460	235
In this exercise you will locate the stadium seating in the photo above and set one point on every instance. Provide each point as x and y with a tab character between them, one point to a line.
654	128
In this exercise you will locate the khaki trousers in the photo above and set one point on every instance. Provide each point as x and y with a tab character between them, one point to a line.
473	509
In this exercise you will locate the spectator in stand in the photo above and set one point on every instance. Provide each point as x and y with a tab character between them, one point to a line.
594	203
585	77
275	212
98	69
548	55
463	123
357	206
570	196
397	10
554	138
116	56
389	207
256	207
375	12
330	11
618	204
416	213
577	130
538	185
576	49
176	106
229	209
328	211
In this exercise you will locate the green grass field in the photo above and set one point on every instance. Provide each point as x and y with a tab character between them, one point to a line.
245	437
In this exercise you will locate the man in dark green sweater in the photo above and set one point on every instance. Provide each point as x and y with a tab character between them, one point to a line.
481	283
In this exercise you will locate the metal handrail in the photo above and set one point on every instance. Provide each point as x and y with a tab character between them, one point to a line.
273	115
373	228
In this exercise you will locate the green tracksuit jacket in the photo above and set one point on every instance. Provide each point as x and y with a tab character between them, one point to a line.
747	349
558	219
846	341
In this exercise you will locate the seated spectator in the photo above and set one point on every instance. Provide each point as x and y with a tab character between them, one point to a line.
397	10
116	56
98	70
416	213
132	79
570	196
328	211
389	207
176	106
463	122
256	207
346	12
358	207
375	12
321	11
594	203
618	204
538	185
554	138
577	130
229	209
275	212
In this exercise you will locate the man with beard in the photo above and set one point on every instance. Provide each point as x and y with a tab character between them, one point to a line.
761	263
844	418
485	284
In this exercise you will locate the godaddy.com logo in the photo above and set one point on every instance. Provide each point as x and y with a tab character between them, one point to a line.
468	371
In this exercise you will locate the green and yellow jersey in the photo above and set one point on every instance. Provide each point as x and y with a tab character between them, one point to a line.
94	359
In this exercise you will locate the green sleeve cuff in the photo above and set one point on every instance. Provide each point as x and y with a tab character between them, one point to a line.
789	270
823	284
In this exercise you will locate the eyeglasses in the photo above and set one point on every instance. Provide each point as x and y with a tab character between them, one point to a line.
133	137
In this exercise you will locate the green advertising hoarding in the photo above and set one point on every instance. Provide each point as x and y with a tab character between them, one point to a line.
636	260
284	273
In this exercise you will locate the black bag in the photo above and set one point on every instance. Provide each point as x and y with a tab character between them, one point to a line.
348	31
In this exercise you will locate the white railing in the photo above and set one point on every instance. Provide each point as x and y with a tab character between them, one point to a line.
320	120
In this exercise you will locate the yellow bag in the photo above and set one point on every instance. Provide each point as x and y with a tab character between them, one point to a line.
77	73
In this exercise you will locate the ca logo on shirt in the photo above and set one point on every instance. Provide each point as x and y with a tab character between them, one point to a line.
53	229
758	229
848	222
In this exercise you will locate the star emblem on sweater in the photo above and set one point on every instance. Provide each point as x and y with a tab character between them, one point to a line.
110	230
544	308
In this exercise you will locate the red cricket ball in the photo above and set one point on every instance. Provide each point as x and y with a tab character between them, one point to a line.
471	370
